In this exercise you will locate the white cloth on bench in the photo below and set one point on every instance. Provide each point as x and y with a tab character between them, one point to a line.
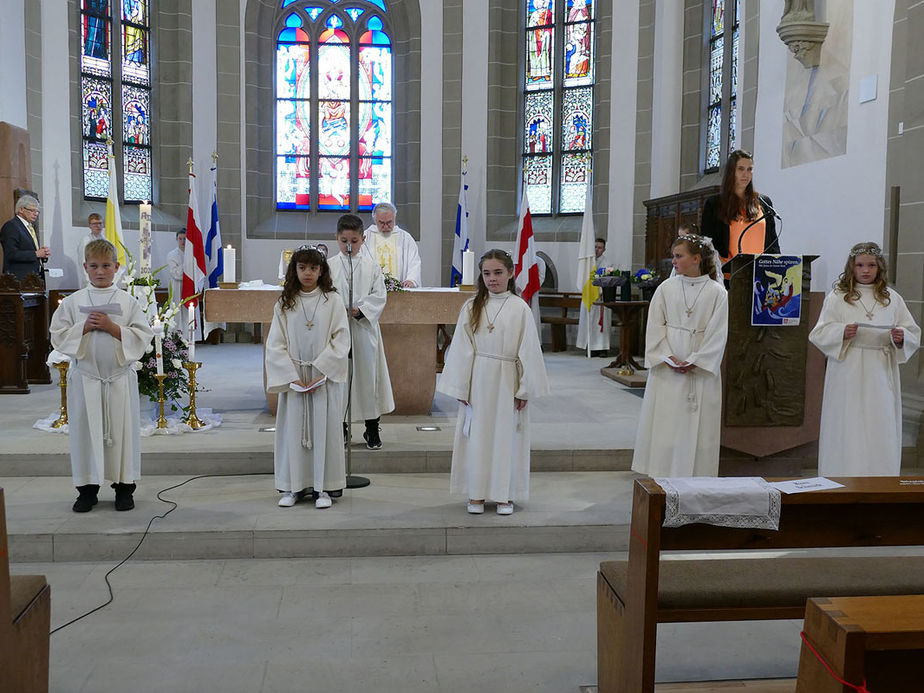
746	502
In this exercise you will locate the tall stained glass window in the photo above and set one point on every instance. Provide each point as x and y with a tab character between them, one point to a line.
558	98
722	101
333	105
104	60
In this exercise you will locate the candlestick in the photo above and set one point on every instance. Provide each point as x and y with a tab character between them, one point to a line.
191	419
468	267
144	226
161	419
62	367
230	260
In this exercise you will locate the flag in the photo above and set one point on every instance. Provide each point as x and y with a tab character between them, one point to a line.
113	227
194	256
587	264
460	241
214	254
525	266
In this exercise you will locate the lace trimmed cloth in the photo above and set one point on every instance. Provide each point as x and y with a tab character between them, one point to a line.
743	502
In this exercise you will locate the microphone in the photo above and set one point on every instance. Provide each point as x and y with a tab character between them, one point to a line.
349	248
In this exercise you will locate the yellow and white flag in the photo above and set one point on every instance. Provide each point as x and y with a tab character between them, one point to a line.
113	227
587	259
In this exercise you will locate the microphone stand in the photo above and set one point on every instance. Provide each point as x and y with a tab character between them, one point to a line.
352	481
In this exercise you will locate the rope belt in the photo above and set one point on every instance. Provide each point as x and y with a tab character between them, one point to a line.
304	373
887	351
684	329
107	423
691	391
519	365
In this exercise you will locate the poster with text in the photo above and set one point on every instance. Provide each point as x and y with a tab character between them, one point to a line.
777	299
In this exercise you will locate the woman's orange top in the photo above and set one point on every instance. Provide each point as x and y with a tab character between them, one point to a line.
753	242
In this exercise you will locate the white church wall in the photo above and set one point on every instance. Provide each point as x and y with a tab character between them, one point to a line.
13	63
431	159
827	205
666	99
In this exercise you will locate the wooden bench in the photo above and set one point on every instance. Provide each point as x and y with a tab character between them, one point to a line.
634	595
25	622
558	323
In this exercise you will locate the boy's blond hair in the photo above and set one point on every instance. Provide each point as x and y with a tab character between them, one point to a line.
100	247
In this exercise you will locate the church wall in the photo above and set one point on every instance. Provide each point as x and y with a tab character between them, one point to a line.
830	204
13	63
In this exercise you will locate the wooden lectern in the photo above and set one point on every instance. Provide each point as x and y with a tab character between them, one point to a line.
24	344
772	380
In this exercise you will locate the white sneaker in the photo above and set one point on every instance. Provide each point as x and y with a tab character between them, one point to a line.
323	500
475	508
289	498
505	508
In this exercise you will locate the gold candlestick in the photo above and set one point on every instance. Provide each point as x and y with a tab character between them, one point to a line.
191	419
62	371
161	421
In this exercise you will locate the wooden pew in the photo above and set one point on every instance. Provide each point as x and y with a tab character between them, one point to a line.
25	623
565	301
634	595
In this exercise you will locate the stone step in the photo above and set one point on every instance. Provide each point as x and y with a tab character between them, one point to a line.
237	517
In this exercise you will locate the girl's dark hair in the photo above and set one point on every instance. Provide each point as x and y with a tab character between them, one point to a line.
848	283
702	246
308	255
730	205
482	296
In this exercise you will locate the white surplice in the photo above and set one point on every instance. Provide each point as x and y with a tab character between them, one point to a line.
407	254
308	446
372	394
104	422
680	421
598	319
488	369
861	413
181	320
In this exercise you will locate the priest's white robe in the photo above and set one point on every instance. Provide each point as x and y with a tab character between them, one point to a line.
680	422
488	369
104	421
408	256
294	352
372	393
861	412
598	321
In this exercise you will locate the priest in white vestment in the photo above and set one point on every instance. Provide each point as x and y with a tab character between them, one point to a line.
393	248
680	422
596	323
175	260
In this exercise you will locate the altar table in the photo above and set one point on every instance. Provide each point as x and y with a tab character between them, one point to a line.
409	330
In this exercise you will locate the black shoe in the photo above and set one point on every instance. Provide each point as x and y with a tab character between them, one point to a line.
372	438
87	498
123	499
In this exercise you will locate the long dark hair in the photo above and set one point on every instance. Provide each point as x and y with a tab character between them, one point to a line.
848	283
308	255
702	246
482	296
730	205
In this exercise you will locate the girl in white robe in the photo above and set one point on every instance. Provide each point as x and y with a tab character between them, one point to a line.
680	422
104	421
865	331
308	341
371	390
494	367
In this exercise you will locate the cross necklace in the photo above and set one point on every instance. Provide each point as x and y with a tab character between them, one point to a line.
869	311
309	322
491	322
689	306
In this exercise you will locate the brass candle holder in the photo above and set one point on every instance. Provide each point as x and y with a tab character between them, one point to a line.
62	383
191	419
161	420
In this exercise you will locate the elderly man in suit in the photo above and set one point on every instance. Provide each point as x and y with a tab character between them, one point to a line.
22	252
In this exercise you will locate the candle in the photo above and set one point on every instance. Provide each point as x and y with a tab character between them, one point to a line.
191	308
158	346
230	260
144	226
468	268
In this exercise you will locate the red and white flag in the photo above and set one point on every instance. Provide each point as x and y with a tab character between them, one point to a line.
194	255
525	265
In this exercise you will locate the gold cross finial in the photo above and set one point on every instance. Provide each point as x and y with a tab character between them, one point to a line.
215	157
190	164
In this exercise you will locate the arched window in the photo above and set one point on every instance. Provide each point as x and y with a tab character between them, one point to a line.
721	108
333	105
104	62
558	97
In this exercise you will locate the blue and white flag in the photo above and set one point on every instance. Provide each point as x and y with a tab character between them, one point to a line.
214	255
460	242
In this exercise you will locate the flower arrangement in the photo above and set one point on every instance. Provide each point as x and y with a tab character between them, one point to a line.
608	272
392	285
176	384
646	278
609	276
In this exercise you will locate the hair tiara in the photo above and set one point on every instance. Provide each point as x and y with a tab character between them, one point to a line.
698	242
866	249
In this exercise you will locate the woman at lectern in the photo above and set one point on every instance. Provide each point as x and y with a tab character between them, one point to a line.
738	216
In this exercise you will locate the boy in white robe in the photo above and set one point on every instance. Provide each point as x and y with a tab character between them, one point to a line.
680	422
308	340
371	392
865	331
104	331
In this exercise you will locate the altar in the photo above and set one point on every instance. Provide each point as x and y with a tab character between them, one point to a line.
409	330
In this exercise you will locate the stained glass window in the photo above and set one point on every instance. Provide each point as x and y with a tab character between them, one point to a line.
558	103
126	117
721	100
334	122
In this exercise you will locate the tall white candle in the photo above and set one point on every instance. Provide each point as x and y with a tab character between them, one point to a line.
468	268
230	260
158	346
144	226
191	307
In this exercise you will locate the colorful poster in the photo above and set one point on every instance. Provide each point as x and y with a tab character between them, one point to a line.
777	299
